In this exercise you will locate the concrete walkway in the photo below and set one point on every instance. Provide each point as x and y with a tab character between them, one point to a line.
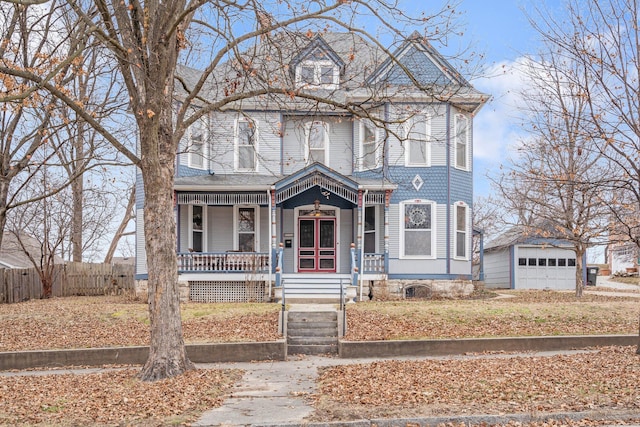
274	394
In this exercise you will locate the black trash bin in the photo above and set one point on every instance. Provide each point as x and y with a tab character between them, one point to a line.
592	275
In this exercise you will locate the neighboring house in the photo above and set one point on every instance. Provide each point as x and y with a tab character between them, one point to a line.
13	255
623	257
521	260
279	194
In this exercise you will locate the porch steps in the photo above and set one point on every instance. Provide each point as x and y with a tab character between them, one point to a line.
314	287
312	332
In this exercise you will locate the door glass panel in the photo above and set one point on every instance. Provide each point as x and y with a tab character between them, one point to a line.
307	253
327	263
307	263
327	236
307	237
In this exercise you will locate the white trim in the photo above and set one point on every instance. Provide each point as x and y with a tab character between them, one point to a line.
464	167
456	205
236	145
205	149
376	228
377	145
296	215
204	227
256	231
327	141
317	74
407	125
433	228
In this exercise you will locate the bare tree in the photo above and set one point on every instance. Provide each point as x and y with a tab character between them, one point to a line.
552	186
603	38
242	50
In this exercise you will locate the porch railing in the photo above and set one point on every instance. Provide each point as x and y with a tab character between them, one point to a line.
373	264
223	262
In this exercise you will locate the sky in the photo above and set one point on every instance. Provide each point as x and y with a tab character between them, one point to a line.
500	29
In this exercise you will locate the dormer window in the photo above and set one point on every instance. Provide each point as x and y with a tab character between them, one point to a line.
323	74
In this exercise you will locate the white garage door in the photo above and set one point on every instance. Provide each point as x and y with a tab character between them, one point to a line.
545	268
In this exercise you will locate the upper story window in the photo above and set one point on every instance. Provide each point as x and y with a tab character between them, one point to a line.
417	231
197	135
317	142
418	140
369	145
318	73
246	145
462	141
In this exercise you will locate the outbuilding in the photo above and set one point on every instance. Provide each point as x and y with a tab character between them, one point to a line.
519	260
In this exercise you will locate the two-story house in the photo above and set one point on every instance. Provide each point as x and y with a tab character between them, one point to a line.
281	194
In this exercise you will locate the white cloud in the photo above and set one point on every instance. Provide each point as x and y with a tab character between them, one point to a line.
498	125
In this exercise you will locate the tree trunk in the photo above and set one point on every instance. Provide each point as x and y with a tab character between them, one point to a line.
167	355
129	215
77	186
579	272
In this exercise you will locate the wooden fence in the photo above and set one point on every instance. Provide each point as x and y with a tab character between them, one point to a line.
69	279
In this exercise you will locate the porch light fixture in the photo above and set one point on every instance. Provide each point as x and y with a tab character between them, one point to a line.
316	206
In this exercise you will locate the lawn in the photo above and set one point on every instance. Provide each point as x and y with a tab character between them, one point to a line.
515	313
89	322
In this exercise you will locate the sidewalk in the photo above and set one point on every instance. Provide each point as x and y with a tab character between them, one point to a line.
274	393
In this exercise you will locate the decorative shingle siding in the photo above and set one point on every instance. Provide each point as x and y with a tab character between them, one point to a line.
434	187
461	186
422	69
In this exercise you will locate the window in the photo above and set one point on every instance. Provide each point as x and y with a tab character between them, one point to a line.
532	262
542	262
197	241
370	229
417	234
197	147
317	134
246	232
522	261
322	74
552	262
246	145
418	133
461	231
562	262
368	145
571	262
462	141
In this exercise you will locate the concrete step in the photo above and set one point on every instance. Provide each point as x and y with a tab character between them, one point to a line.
312	349
311	326
312	340
309	332
312	316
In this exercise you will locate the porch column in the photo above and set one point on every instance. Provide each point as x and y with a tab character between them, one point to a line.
359	226
387	198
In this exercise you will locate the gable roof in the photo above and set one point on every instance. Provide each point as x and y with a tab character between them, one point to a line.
317	49
368	73
521	234
13	256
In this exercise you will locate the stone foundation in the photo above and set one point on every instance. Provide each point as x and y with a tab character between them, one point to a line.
427	288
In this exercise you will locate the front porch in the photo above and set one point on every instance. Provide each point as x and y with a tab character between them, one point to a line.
251	276
314	226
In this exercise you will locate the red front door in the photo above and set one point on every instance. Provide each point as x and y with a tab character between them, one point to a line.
317	245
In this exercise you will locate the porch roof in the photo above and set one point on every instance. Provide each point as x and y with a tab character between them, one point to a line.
225	182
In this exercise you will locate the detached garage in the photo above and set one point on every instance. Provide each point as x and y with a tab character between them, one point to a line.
517	261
